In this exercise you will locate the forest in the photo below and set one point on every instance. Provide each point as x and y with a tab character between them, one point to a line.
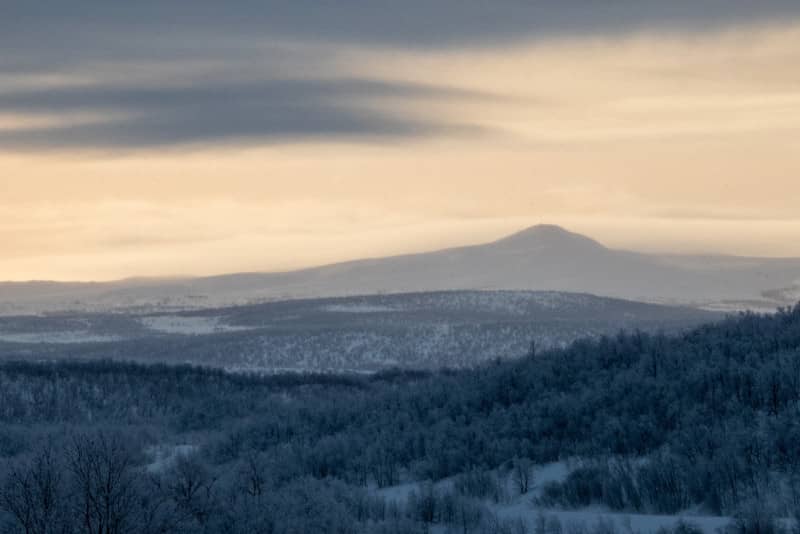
708	420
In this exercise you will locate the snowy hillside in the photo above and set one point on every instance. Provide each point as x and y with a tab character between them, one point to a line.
369	333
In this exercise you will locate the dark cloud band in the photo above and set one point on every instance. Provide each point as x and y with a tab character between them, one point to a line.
266	111
107	40
408	23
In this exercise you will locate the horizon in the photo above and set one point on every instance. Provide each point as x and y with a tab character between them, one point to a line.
565	232
270	137
491	267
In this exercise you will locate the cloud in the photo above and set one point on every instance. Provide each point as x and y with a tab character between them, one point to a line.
268	110
272	71
412	23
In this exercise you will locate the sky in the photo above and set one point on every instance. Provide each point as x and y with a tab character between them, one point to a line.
162	138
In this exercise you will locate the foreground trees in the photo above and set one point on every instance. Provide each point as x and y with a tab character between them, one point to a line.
710	418
91	484
35	495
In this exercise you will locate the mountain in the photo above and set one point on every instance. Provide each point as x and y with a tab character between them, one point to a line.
543	257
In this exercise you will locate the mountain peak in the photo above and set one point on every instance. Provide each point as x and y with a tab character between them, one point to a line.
548	235
544	229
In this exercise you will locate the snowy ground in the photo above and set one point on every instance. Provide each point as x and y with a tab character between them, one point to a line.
523	507
162	457
357	308
453	329
624	522
188	325
68	337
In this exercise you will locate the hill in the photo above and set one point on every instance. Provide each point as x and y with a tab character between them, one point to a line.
540	258
705	421
364	334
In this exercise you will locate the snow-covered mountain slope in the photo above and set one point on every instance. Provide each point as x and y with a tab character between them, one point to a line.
361	334
540	258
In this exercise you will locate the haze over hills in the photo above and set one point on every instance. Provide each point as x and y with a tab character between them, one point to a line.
543	257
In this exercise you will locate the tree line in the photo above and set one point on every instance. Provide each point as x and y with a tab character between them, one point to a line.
707	418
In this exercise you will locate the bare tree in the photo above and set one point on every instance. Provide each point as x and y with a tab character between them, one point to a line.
105	484
35	495
522	474
253	474
191	487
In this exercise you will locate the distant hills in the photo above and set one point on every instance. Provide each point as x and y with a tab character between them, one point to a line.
543	257
348	334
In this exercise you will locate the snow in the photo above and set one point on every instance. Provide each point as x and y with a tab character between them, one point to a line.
624	522
522	507
162	457
368	333
63	337
357	308
552	472
400	492
188	325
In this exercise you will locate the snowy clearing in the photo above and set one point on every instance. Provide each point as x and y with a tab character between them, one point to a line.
188	325
64	338
522	507
358	308
162	457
